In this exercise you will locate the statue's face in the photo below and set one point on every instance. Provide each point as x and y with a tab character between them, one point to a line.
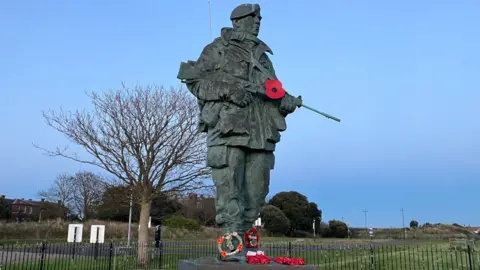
249	24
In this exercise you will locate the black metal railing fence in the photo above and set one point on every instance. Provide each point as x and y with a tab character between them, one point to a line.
166	255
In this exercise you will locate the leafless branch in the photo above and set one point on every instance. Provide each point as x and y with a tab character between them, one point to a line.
62	191
146	137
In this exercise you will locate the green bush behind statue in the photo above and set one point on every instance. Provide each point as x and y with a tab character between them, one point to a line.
182	223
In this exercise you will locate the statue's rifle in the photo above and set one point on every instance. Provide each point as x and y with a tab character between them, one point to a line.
273	87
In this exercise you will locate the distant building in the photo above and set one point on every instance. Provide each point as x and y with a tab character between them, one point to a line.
258	223
21	210
192	200
199	207
474	229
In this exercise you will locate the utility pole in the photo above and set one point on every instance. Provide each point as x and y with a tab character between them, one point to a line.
130	218
366	226
403	224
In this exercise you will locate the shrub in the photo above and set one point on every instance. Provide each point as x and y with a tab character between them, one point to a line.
336	229
354	233
182	223
413	224
275	220
297	209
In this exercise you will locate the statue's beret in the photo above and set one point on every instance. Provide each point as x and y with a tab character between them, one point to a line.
244	10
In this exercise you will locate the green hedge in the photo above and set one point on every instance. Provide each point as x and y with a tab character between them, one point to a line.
182	223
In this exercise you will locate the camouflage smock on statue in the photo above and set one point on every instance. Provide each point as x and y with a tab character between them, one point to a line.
242	124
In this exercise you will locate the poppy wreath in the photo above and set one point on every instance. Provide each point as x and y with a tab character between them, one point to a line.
262	259
252	238
289	261
220	240
258	259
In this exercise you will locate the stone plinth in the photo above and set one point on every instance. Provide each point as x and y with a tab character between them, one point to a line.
210	263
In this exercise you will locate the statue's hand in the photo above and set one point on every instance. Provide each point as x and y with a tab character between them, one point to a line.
239	97
290	103
255	88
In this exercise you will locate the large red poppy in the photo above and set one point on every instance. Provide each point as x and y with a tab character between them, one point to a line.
274	89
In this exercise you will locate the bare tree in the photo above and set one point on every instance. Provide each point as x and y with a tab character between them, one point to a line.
89	188
146	137
80	193
61	191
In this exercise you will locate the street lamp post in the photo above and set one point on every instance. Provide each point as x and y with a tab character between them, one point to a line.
130	219
366	226
313	228
403	224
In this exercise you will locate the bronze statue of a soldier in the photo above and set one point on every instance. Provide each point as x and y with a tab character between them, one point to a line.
242	124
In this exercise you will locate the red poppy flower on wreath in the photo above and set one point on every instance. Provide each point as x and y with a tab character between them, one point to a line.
274	89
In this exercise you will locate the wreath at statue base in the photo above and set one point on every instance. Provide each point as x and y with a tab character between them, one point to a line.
226	241
252	255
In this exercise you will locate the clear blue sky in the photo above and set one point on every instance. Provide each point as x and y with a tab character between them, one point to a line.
402	75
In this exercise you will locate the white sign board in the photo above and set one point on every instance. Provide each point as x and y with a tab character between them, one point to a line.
258	222
97	230
74	233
